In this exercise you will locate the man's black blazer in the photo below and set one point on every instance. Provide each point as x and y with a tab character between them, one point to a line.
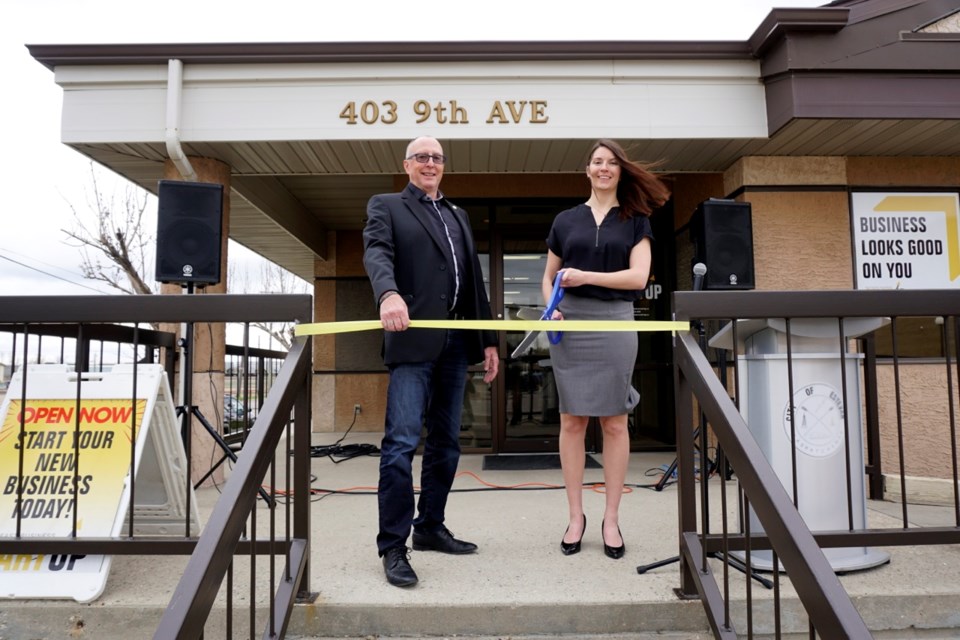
404	253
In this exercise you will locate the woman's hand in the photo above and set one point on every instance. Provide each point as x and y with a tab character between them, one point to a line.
571	277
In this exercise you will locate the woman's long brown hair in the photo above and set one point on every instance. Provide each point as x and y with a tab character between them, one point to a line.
639	191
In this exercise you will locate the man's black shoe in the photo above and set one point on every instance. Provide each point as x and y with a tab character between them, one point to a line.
441	540
397	567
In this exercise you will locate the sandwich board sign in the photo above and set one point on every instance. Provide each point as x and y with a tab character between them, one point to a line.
103	425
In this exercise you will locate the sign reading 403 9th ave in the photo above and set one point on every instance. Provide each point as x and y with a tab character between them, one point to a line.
906	240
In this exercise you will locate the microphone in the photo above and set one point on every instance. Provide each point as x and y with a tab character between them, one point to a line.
699	270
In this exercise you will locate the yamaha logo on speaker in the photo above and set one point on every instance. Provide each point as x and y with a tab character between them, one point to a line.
189	218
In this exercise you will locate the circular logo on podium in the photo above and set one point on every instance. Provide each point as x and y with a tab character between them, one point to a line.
819	424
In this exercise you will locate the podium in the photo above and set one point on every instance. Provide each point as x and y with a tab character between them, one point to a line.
818	423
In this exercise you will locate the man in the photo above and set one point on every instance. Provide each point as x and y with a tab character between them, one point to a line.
421	259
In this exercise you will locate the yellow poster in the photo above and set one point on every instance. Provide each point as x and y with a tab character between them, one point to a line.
65	461
72	457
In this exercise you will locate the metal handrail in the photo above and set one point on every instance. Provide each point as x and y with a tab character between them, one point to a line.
104	318
812	304
208	307
195	594
830	608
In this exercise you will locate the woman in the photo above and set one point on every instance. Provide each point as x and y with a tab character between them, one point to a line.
602	251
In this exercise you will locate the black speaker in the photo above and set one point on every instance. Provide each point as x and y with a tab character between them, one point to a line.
189	215
722	235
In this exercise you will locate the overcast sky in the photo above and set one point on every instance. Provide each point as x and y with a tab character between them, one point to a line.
42	178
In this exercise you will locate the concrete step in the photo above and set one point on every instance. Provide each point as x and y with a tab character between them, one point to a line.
913	634
504	620
592	636
518	586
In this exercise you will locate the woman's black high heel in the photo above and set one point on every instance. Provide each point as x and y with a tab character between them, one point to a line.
612	552
570	548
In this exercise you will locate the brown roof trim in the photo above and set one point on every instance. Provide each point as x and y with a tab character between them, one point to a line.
780	22
776	24
921	36
52	55
858	96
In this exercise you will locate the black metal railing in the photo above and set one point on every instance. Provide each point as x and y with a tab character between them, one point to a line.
741	418
236	514
260	523
100	346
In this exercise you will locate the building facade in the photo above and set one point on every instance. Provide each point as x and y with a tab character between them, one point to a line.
820	115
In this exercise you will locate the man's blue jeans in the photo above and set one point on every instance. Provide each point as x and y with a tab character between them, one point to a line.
423	393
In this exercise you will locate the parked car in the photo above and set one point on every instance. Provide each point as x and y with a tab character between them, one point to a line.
233	409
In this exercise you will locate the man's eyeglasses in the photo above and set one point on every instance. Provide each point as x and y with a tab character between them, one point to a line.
423	158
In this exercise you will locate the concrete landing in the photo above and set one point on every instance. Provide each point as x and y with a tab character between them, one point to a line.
518	584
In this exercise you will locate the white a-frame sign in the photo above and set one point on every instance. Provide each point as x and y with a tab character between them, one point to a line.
106	423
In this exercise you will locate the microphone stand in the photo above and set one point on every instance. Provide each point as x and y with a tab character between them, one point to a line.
706	465
699	271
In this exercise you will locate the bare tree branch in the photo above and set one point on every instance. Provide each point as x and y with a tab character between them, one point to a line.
114	252
273	279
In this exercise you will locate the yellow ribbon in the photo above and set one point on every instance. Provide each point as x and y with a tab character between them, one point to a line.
327	328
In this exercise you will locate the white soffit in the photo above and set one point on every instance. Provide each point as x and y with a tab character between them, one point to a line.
506	100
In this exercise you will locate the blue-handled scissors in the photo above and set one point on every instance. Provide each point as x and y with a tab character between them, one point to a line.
552	305
555	297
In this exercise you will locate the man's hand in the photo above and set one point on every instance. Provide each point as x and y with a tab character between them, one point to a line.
393	313
491	364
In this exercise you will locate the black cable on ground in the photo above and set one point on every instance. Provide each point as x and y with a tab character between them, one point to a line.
340	452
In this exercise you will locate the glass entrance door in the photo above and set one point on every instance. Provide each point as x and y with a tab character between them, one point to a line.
519	412
532	420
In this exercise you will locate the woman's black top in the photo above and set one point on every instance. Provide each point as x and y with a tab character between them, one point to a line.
580	243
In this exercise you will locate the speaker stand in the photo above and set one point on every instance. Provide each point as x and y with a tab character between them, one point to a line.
716	555
187	410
